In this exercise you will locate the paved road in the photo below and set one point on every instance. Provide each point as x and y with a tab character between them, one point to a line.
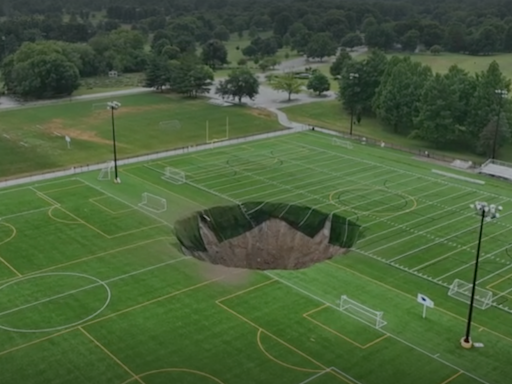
268	98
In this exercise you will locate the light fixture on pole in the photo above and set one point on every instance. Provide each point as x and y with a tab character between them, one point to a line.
352	76
114	105
487	213
502	94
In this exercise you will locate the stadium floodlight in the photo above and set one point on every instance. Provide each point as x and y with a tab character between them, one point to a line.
502	94
487	213
114	105
352	76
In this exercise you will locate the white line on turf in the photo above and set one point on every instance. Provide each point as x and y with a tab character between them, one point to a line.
381	330
315	376
344	374
86	287
25	213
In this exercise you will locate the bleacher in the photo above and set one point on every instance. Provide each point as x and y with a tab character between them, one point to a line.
497	168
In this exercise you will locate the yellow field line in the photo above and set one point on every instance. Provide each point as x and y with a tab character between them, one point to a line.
10	267
452	378
414	297
111	355
93	200
499	281
136	230
247	290
113	315
65	188
50	213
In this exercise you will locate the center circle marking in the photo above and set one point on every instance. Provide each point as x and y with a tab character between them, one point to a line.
98	282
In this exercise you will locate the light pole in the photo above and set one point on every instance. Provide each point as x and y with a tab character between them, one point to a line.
352	76
487	213
502	94
114	105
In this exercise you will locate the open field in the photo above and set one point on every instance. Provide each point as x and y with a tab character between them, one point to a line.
101	84
94	290
331	115
32	139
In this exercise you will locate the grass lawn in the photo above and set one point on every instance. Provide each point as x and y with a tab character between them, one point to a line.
33	138
94	288
329	114
101	84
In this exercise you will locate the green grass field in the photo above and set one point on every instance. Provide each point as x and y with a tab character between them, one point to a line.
330	114
33	138
94	290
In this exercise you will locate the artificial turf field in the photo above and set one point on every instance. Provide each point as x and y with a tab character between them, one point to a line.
94	289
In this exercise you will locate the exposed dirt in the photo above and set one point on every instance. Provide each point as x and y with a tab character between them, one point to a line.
262	113
272	245
57	126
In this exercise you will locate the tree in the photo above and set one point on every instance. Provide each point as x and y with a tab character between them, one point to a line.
371	74
436	50
287	83
240	83
352	40
456	37
351	90
339	63
214	54
267	63
158	72
432	33
171	53
489	136
282	23
221	33
318	83
320	46
368	23
507	40
411	40
380	36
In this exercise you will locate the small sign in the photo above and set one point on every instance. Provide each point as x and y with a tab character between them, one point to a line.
478	345
426	302
68	141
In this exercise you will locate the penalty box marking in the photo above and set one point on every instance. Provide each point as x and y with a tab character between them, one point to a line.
306	315
94	200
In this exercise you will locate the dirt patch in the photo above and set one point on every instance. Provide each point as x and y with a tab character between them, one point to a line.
262	113
271	245
56	126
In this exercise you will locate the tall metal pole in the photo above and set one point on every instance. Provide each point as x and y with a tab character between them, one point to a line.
352	76
467	337
113	105
351	120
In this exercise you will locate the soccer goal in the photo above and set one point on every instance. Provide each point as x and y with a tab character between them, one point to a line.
361	312
342	143
170	125
99	106
106	171
461	290
174	175
153	203
212	138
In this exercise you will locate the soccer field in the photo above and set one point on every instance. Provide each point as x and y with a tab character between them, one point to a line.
94	290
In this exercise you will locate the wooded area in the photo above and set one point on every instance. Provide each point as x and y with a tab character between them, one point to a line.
48	46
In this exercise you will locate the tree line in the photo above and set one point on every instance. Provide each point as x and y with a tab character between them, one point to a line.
452	110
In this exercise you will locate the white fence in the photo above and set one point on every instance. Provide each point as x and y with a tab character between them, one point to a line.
149	157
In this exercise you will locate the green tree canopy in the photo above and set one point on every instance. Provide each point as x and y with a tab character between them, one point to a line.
318	83
240	83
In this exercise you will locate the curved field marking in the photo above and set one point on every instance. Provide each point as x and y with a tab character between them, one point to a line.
405	196
98	282
258	338
12	234
50	213
214	379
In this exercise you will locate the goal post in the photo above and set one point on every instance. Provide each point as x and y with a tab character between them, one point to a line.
342	143
213	138
461	290
361	312
153	203
170	124
106	171
174	176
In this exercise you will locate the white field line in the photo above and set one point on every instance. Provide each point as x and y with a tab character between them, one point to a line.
130	205
34	185
46	197
430	229
344	374
494	273
443	240
315	376
502	294
313	137
435	213
25	213
87	286
481	259
436	357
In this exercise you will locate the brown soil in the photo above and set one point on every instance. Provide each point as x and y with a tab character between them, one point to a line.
272	245
57	126
262	113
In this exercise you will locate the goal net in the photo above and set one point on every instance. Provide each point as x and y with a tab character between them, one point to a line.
153	203
171	124
174	175
342	143
461	290
106	171
361	312
99	106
